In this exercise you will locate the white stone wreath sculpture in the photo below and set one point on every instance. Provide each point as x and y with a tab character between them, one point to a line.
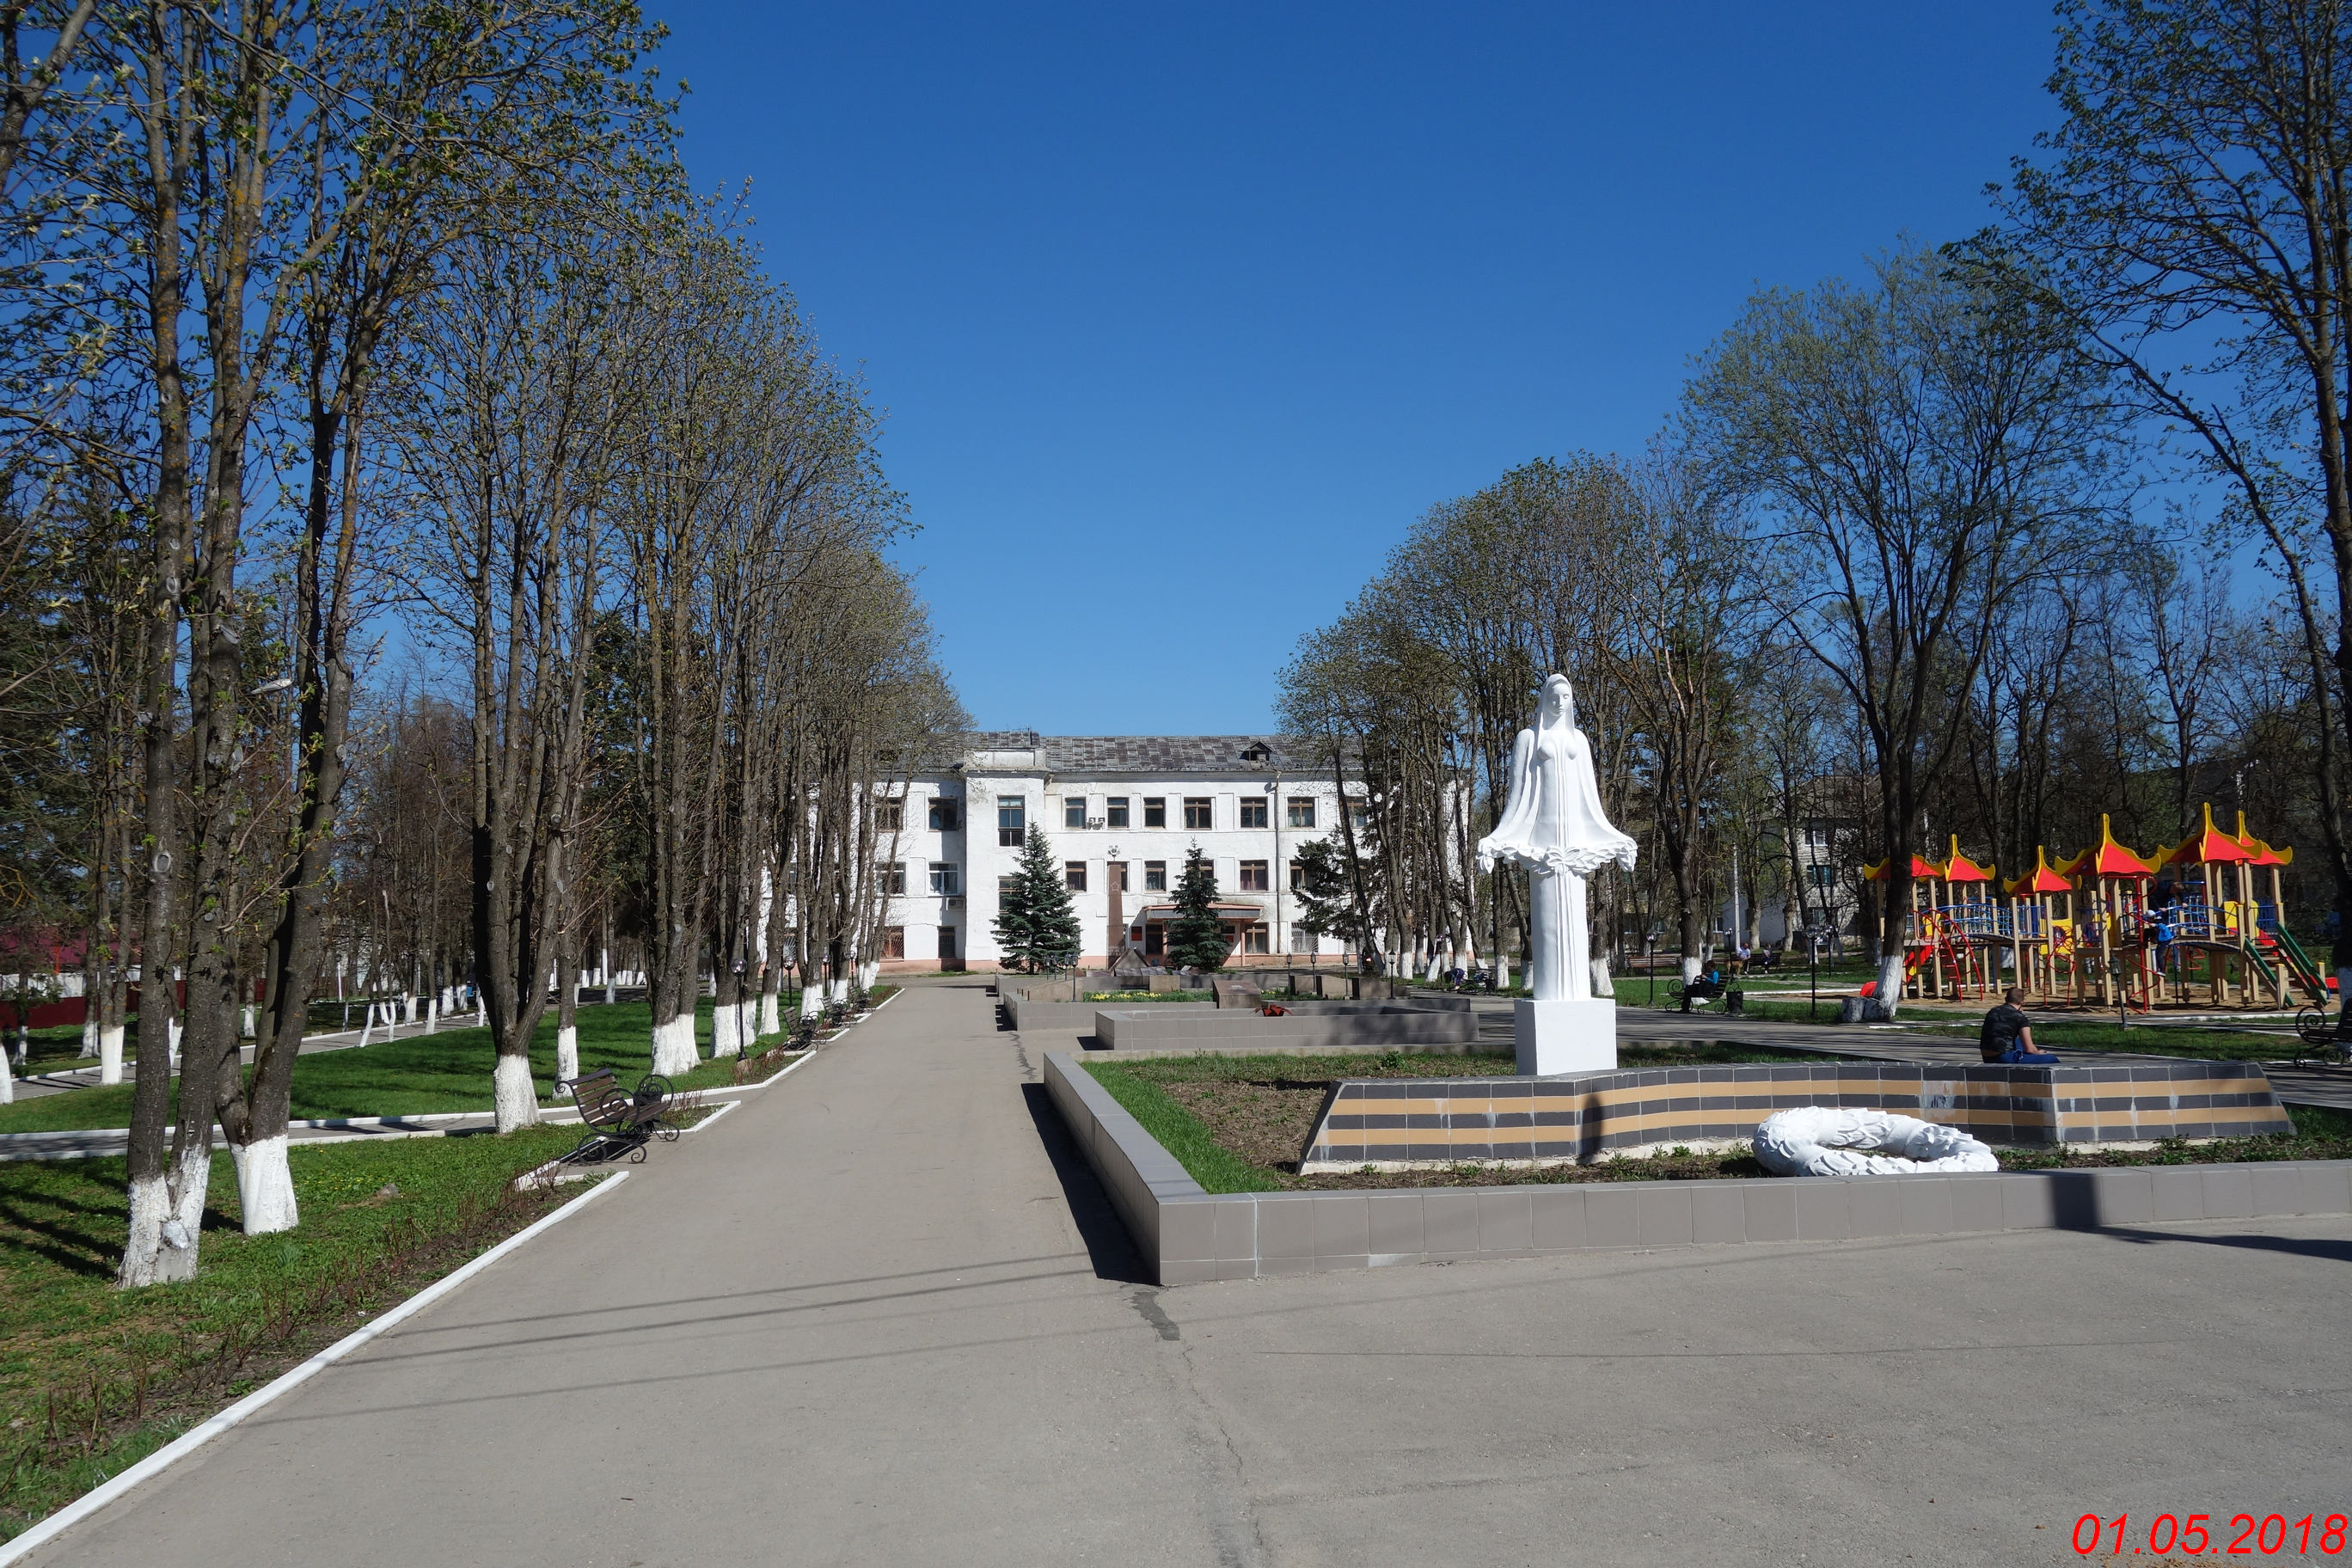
1821	1140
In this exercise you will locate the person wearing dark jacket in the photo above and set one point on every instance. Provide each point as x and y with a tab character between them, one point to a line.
2007	1034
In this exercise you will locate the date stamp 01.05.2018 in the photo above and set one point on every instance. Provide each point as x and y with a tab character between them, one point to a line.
2194	1534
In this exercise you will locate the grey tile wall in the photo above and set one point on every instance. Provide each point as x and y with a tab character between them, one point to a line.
1192	1237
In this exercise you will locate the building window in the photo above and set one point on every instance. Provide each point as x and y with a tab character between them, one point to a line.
1824	876
889	815
894	877
1298	877
943	879
1198	812
1155	940
1302	940
1005	885
1155	811
1252	814
1073	811
1302	810
1010	822
1115	811
1254	877
1359	813
947	944
894	942
943	815
1255	940
1074	876
1817	838
1209	870
1155	876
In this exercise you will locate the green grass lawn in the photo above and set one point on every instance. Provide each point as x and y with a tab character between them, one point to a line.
448	1070
92	1378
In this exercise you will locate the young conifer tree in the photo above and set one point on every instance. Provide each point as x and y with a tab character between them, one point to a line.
1196	938
1036	929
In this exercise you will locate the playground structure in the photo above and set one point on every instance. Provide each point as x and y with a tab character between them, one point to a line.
2184	926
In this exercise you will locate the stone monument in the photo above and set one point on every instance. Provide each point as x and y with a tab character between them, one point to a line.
1553	826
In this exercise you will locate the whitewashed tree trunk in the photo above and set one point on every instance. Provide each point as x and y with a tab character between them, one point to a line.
150	1202
567	1052
674	1047
724	1041
1502	972
1890	988
511	1094
432	1014
771	1019
841	989
7	1081
88	1038
163	1234
110	1053
1602	983
869	972
265	1186
812	1000
1691	966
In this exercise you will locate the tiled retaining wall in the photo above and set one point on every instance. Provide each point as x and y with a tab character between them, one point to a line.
1022	1014
1412	1122
1373	1024
1187	1235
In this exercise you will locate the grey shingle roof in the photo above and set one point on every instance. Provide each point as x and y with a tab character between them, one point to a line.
1129	754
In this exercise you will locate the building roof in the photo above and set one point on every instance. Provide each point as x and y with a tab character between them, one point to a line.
1123	753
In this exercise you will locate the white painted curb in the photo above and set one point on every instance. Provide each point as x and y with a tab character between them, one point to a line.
188	1443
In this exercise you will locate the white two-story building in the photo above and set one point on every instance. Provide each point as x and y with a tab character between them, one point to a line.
1121	813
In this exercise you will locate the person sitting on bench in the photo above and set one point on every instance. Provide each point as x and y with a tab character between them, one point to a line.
2007	1034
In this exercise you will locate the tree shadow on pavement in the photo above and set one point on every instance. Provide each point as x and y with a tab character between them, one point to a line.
2332	1249
1109	1247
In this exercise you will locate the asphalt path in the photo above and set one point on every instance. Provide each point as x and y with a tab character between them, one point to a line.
881	1315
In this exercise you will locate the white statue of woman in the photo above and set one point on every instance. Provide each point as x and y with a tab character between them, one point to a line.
1553	825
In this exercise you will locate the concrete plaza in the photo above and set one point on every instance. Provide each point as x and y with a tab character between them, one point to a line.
882	1315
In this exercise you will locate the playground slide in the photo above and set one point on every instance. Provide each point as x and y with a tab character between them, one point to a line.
2298	963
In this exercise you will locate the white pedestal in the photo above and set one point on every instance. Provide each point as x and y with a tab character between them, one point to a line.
1565	1037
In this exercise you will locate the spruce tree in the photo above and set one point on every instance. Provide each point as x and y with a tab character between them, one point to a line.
1196	938
1036	929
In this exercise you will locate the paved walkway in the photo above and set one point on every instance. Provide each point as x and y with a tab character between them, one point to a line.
879	1316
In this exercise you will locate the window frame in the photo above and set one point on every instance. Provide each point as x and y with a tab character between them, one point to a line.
943	815
894	878
1205	805
1018	805
1255	812
1300	810
1263	870
1074	876
1073	811
1155	811
894	942
1115	810
1155	876
945	872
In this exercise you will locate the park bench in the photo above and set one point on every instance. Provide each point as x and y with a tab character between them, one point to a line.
620	1123
1708	990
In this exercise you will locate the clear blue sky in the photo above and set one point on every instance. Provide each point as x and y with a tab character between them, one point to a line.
1180	315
